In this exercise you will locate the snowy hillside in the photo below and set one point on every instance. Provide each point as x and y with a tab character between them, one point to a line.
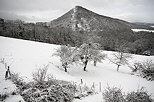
24	57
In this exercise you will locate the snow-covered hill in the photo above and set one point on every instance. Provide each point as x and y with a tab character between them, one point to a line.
25	57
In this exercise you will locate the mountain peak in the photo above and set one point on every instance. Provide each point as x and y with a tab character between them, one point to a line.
78	6
82	19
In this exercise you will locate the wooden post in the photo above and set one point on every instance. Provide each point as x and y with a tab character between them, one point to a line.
80	89
95	62
5	66
100	89
74	87
93	86
81	81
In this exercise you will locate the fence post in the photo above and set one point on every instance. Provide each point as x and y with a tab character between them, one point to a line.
5	66
93	86
80	88
81	81
74	87
100	87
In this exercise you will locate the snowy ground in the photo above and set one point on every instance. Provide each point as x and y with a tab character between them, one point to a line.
25	57
139	30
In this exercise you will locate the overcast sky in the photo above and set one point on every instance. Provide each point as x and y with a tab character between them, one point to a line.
47	10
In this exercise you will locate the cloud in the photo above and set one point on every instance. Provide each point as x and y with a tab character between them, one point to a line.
33	10
47	10
33	5
12	16
129	10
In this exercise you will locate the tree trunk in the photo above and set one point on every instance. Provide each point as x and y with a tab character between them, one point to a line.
95	63
85	65
118	67
65	69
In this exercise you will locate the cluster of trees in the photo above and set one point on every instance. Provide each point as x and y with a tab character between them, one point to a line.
40	32
85	53
90	52
137	42
27	31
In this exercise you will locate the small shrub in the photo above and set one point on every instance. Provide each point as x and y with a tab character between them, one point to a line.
14	93
138	96
50	91
46	84
3	96
135	67
40	75
29	95
84	91
113	95
147	70
17	80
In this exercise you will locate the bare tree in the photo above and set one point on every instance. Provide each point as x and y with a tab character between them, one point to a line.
90	52
98	56
122	56
67	55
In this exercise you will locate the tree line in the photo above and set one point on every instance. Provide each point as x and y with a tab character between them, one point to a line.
137	42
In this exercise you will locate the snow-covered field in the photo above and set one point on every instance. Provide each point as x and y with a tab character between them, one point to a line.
139	30
25	57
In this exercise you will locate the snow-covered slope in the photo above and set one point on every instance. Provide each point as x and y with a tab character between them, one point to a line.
25	57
